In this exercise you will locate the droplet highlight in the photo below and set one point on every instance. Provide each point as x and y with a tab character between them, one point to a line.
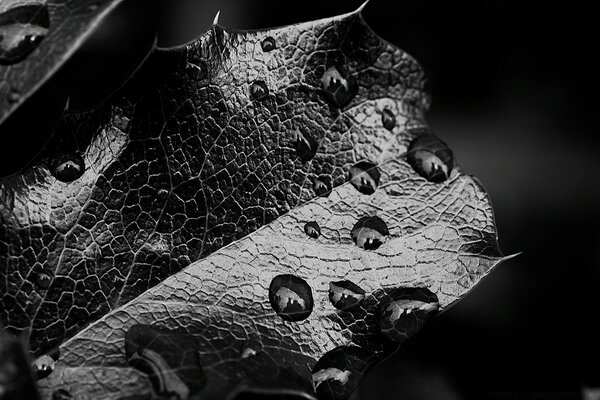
364	176
312	229
22	29
369	232
431	158
67	167
268	44
259	90
406	311
388	119
291	297
345	295
340	88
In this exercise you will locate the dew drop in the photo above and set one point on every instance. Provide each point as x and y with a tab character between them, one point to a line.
196	69
13	96
291	297
388	119
259	90
340	88
43	366
268	44
61	394
250	348
322	188
312	229
364	176
22	29
67	167
162	194
345	295
405	313
306	146
431	158
43	280
369	232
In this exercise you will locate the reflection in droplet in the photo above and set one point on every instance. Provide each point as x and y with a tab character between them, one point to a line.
405	313
306	146
345	295
67	167
43	280
43	366
291	297
364	176
22	29
162	194
268	44
431	158
340	88
312	229
388	119
197	70
259	90
369	232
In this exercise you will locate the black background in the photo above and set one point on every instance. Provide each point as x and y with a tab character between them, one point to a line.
512	96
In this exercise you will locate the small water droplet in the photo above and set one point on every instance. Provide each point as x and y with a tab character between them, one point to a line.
364	176
340	88
312	229
339	371
250	348
345	295
67	167
13	96
369	232
268	44
405	313
321	187
197	69
162	194
43	280
388	119
306	146
291	297
93	7
431	158
61	394
43	366
22	29
259	90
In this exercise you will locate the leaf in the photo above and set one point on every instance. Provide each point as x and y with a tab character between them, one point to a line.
36	38
319	122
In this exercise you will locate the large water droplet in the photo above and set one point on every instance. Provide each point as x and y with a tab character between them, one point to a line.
388	119
312	229
321	187
22	29
291	297
369	232
259	90
268	44
306	146
405	313
431	158
67	167
340	88
345	295
43	366
364	176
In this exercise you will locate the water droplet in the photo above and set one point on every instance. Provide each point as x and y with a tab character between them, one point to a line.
93	7
268	44
61	394
259	90
196	69
43	280
312	229
291	297
388	119
162	194
306	146
431	158
43	366
369	232
364	176
405	313
22	29
67	167
250	348
345	295
321	187
340	88
13	96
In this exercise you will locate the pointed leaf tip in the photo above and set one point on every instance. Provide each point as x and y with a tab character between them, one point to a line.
216	20
362	7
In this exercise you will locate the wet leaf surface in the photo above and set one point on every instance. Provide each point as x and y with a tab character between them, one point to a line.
38	36
163	236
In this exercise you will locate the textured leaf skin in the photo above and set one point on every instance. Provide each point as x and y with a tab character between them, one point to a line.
71	21
185	160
